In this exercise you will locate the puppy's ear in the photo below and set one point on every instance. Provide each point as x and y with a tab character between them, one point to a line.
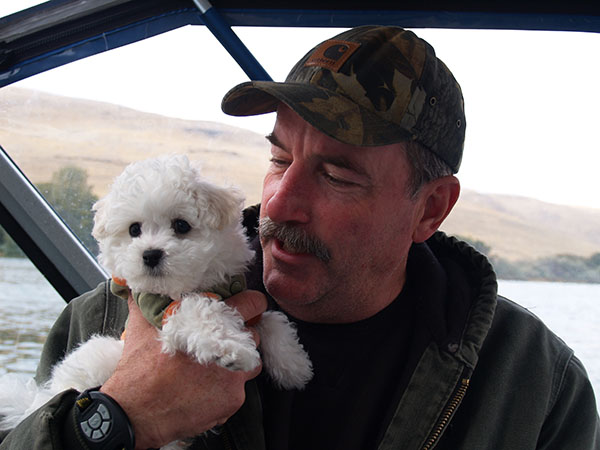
219	206
100	219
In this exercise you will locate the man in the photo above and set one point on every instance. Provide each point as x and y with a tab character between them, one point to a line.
411	347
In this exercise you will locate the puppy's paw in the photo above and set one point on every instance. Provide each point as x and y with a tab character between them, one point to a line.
178	445
285	360
239	358
210	331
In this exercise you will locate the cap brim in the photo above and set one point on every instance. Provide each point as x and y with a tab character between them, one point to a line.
331	113
261	97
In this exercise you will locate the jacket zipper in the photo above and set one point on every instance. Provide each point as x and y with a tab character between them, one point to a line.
227	444
447	414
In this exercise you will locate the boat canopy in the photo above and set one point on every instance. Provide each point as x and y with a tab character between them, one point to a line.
58	32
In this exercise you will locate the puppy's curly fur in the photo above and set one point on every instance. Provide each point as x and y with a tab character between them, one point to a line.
168	231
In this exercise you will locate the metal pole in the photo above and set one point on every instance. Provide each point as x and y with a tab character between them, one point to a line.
232	43
43	236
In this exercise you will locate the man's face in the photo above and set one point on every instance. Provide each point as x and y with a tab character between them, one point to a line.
351	202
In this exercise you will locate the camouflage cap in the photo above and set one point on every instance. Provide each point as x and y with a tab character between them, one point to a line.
368	86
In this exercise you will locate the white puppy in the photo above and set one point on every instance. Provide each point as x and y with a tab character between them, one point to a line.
167	231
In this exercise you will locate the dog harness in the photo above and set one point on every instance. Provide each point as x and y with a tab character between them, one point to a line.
157	308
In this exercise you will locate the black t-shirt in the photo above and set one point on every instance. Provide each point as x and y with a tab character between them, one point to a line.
360	372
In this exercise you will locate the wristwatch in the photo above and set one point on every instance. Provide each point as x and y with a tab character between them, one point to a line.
101	424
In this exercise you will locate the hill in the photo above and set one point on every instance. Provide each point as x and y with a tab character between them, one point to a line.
43	133
519	228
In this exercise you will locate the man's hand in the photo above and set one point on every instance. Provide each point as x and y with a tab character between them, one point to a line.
172	397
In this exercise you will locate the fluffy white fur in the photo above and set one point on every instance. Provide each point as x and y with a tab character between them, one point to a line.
156	193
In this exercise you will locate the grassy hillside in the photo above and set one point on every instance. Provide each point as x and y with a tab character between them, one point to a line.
43	133
522	228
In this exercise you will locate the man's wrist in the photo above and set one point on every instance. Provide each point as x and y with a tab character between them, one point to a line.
97	422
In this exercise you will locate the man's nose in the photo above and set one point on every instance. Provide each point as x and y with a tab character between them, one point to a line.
289	197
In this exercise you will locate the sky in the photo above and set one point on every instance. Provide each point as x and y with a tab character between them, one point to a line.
531	98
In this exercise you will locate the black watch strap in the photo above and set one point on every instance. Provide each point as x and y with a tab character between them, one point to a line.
100	423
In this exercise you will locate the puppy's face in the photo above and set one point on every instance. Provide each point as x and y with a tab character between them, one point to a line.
161	227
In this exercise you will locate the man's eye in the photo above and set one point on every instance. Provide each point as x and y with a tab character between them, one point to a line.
135	229
278	162
180	226
337	181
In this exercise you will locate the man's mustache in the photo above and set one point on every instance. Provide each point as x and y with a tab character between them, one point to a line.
293	239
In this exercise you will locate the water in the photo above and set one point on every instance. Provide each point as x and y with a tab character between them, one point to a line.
29	307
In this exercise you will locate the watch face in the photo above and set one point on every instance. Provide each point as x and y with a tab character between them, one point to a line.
97	426
103	423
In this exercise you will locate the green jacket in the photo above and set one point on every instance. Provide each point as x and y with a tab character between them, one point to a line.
508	383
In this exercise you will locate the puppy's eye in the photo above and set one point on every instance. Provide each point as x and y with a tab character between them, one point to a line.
135	229
181	226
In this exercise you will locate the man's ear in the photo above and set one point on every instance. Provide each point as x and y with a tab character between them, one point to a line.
437	197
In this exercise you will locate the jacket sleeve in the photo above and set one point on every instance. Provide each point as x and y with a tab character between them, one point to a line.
42	429
572	422
96	312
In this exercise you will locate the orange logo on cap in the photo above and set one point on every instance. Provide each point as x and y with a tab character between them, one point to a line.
332	54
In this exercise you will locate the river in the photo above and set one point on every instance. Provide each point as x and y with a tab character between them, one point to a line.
29	306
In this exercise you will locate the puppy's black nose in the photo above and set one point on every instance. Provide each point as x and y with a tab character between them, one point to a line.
152	257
